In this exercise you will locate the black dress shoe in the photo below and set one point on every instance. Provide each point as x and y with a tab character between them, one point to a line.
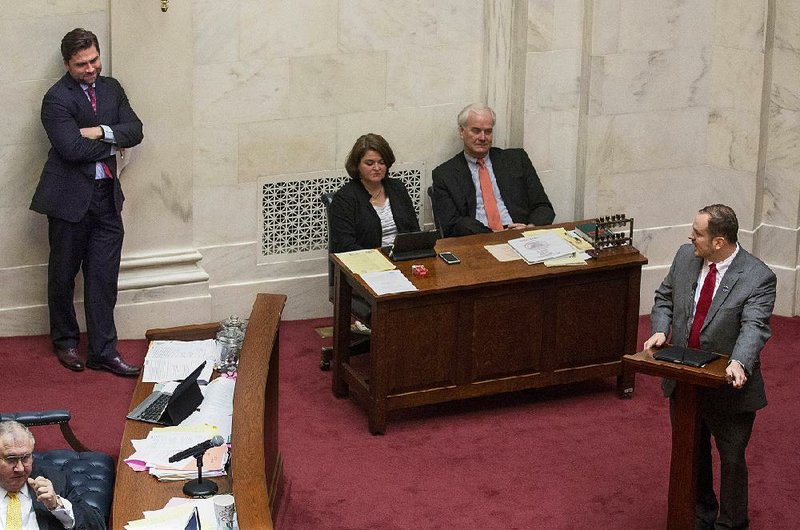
69	358
114	365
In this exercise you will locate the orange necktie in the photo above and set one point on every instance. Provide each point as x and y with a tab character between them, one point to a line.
489	202
93	101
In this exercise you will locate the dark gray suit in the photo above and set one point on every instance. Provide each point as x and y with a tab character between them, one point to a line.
454	195
737	324
85	225
86	516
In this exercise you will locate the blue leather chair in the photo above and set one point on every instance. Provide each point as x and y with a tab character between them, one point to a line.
91	473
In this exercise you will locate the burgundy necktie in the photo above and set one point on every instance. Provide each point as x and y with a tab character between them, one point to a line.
700	312
93	101
489	202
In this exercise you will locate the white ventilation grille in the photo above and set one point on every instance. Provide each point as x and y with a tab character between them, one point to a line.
293	217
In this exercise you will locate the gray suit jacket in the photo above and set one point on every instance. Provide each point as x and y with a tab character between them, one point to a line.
737	323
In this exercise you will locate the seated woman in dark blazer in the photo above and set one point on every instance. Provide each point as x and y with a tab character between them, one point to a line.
372	208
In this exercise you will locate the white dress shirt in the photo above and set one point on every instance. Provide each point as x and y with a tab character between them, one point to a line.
29	522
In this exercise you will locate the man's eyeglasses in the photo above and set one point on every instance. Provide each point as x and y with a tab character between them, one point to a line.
25	460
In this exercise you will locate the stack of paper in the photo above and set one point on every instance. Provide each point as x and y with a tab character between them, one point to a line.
153	453
171	360
176	514
541	247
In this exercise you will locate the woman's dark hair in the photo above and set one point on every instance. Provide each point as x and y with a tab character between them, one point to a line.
76	40
368	142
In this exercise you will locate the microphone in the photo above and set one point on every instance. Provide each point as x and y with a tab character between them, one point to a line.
198	449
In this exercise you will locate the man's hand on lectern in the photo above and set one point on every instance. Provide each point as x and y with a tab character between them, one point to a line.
656	341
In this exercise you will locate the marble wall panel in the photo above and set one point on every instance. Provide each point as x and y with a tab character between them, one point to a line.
20	167
286	146
605	26
21	123
215	25
740	24
23	237
216	156
457	22
665	197
787	289
787	24
553	80
554	24
365	24
737	78
306	297
287	28
42	8
333	84
650	140
733	139
409	132
777	245
38	37
559	184
785	76
551	139
783	150
660	243
433	76
663	24
781	196
241	92
226	214
445	126
658	80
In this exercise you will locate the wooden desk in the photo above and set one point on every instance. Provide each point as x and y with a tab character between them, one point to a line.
484	327
256	466
685	428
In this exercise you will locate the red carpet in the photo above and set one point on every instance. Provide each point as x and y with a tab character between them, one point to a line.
573	457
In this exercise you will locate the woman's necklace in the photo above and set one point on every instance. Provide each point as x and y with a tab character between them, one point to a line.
375	197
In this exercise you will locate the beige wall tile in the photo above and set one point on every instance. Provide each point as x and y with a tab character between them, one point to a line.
216	156
787	24
777	245
226	215
216	31
783	150
287	28
733	139
541	25
786	78
408	131
20	168
663	24
553	80
333	84
241	92
286	146
737	79
365	24
24	237
605	26
740	24
658	80
781	196
433	76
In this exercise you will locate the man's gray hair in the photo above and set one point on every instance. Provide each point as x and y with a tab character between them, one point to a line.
477	108
15	432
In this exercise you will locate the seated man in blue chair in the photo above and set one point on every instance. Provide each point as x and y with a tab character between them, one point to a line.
46	501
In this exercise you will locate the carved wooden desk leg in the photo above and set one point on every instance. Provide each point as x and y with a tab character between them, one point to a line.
683	466
341	332
379	370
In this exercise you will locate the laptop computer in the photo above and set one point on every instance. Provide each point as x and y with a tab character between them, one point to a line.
171	409
687	356
414	245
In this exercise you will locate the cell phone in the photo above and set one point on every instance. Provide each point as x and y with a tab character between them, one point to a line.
449	258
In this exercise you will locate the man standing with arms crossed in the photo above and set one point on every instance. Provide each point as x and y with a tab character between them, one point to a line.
88	119
718	297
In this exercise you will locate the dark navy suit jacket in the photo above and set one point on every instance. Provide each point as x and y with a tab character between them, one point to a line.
454	202
86	517
67	181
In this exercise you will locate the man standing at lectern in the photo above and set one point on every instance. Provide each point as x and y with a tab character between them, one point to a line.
483	188
718	297
87	118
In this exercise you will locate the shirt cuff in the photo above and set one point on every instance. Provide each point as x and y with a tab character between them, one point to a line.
108	134
64	514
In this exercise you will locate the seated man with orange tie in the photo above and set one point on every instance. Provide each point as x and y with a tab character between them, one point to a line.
719	297
483	188
45	502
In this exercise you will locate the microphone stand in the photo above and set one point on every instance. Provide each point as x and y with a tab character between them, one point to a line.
198	487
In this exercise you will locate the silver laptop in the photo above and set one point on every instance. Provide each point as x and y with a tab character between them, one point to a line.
171	409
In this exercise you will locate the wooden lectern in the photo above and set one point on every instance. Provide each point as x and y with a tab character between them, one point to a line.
685	427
